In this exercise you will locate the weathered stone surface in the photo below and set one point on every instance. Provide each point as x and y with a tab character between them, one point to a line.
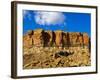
52	57
80	39
38	37
73	36
27	39
56	54
65	39
58	39
85	39
48	38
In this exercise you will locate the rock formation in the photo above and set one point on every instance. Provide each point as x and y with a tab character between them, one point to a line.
38	37
65	40
86	39
50	49
27	39
57	38
48	38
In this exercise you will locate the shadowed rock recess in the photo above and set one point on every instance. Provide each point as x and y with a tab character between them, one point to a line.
49	49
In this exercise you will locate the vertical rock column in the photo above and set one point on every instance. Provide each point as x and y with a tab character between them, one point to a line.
58	39
27	39
85	39
80	40
48	38
65	39
73	39
38	37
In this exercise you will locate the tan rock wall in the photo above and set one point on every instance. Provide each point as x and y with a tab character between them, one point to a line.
48	38
40	37
58	39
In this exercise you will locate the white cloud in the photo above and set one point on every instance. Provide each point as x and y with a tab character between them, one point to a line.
27	13
49	18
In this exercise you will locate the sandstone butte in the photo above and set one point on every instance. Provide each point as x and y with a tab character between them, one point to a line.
58	38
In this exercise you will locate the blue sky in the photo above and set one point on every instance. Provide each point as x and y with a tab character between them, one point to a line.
66	21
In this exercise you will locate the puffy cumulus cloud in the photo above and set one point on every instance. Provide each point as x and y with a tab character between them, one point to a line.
49	18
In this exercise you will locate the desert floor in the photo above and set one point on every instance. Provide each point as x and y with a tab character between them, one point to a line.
52	57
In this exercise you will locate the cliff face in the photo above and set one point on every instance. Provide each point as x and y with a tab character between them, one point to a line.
50	49
57	38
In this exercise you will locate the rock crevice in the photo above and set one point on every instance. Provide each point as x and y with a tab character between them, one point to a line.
58	38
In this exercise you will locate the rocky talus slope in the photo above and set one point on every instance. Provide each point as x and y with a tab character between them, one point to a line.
49	49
